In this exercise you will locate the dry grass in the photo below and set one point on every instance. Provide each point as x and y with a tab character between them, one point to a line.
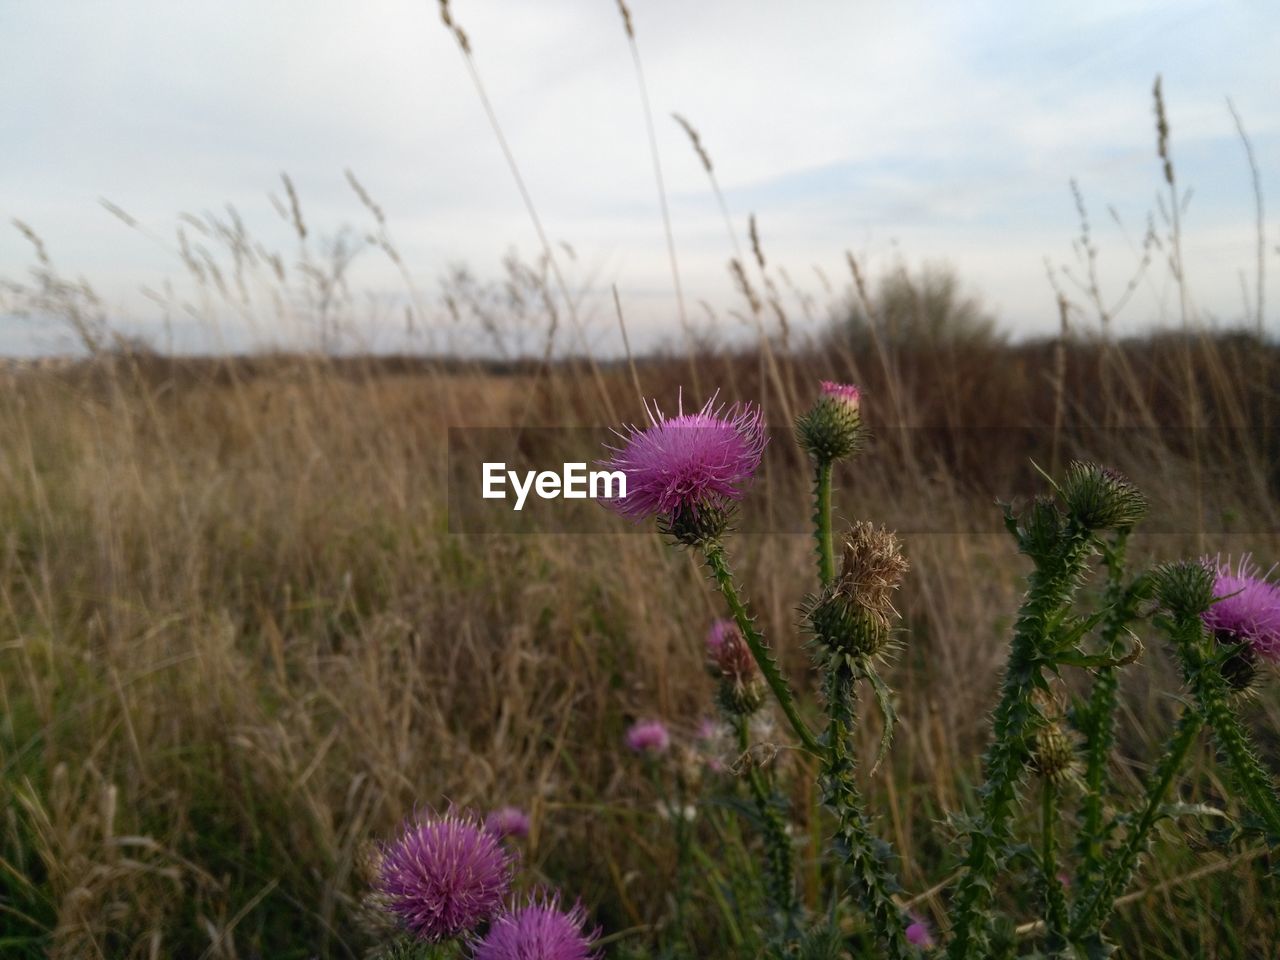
241	643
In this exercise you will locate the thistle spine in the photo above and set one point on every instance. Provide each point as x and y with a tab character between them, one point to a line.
1051	587
1098	902
1187	592
868	857
1055	900
1096	719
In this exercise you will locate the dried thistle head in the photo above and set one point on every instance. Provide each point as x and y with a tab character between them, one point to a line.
872	566
853	614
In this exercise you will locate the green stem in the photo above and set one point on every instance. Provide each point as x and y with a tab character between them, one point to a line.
779	855
719	566
1055	901
867	855
822	522
1097	719
1203	671
1050	589
1256	785
1098	902
683	845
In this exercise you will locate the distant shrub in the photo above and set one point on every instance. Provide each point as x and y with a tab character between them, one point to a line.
927	307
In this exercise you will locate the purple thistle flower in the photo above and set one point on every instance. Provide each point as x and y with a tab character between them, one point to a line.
690	462
1248	610
708	729
508	822
844	393
539	930
445	876
648	736
728	654
722	631
918	933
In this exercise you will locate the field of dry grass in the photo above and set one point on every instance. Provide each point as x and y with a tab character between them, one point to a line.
240	639
240	642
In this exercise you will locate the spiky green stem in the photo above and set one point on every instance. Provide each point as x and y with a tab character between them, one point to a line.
1201	658
822	522
1097	902
1096	720
867	856
1051	587
1055	900
779	854
1256	784
718	564
684	863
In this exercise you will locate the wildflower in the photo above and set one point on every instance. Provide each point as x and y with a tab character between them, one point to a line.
1247	609
832	427
539	930
1246	614
687	811
853	614
730	660
721	634
445	876
508	822
648	736
689	470
918	933
708	729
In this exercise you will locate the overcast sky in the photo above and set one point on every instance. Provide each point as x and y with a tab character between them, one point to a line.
916	130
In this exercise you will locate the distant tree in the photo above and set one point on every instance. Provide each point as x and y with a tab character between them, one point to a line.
927	308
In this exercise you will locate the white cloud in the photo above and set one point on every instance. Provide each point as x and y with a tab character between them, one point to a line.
952	129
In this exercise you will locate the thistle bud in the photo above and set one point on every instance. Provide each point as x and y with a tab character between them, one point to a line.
853	614
1099	498
1053	755
740	698
727	653
1041	528
1184	588
842	626
832	427
730	661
